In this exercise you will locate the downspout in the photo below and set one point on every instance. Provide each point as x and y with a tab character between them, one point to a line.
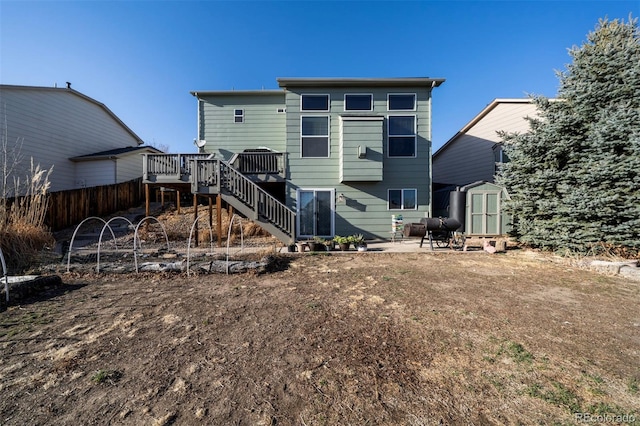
433	84
199	118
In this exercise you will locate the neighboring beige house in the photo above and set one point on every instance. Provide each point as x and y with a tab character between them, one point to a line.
473	153
84	141
469	161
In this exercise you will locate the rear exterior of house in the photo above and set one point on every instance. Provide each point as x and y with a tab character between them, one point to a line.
353	152
55	125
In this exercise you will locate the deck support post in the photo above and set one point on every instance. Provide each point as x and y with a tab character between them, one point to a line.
178	201
219	219
147	207
210	212
195	218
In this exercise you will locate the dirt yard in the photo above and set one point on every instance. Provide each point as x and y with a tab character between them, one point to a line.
336	338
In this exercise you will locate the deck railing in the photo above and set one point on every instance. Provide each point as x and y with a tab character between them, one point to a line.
264	206
206	176
258	163
169	167
212	176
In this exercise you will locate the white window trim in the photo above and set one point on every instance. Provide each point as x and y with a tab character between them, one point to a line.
333	209
241	115
415	191
328	136
415	101
344	105
316	94
415	136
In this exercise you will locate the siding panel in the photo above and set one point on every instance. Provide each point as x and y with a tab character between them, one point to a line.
52	125
263	126
366	135
470	157
129	167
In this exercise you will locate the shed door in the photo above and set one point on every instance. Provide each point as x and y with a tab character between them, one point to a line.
485	217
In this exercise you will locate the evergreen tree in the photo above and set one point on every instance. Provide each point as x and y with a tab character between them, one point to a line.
574	177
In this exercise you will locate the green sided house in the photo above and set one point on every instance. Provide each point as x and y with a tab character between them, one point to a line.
316	157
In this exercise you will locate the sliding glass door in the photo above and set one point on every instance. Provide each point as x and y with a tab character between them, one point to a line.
315	212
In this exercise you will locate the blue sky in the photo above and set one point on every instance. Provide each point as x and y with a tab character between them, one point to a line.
142	58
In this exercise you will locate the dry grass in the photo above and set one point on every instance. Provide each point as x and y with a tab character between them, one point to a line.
354	338
22	231
178	227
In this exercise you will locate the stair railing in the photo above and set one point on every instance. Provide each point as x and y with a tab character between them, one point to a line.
264	205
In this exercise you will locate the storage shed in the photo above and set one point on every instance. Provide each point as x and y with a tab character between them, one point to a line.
484	213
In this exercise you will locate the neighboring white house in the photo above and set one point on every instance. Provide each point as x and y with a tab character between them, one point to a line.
473	153
84	141
112	166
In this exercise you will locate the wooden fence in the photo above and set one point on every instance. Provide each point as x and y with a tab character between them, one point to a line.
68	208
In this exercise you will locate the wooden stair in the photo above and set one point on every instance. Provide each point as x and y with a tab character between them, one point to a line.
209	176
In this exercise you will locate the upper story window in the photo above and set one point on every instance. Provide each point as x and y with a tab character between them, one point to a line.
358	102
315	103
402	199
314	136
401	135
401	101
500	156
238	116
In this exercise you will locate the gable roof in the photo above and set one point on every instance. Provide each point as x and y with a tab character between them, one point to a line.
479	117
115	153
69	91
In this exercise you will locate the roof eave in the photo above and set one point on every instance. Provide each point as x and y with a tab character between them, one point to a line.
200	93
137	151
285	82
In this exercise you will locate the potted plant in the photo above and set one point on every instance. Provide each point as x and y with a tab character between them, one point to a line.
330	244
317	244
359	242
343	242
